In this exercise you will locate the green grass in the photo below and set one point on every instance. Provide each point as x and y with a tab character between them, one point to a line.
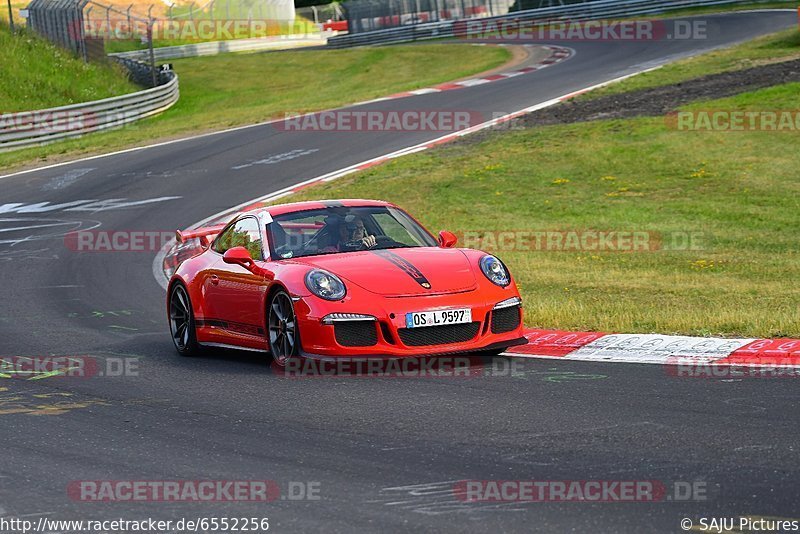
35	74
783	46
15	7
737	191
234	89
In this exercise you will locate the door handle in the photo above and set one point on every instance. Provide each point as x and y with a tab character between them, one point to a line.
214	279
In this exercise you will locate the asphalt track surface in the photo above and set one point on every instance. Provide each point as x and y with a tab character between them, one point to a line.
384	451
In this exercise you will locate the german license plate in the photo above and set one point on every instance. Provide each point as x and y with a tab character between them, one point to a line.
438	317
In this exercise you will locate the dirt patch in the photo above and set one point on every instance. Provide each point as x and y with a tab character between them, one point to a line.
520	56
661	100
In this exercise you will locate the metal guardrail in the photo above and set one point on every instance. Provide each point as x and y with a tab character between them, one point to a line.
31	128
590	10
220	47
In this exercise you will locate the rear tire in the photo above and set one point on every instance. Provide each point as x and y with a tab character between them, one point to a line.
181	322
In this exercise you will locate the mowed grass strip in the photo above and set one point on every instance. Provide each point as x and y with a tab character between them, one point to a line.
35	74
727	204
235	89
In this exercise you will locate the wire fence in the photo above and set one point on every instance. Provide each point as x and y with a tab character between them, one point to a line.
372	15
59	20
321	14
382	15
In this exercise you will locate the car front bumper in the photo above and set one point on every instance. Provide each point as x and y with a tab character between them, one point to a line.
387	335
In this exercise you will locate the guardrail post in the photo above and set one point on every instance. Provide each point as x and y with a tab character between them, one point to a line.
79	26
108	19
10	17
150	40
92	29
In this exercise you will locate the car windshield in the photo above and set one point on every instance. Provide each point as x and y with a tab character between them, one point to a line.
336	230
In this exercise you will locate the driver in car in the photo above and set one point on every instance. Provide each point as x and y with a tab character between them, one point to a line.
353	231
351	234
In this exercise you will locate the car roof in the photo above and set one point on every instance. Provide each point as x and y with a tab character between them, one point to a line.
281	209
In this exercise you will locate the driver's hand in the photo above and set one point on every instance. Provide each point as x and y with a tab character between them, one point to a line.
369	241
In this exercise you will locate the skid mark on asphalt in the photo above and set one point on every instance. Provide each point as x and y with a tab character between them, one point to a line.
22	254
65	180
90	205
554	375
277	158
437	498
159	174
18	230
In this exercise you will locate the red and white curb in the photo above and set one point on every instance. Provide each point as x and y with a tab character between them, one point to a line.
658	349
557	55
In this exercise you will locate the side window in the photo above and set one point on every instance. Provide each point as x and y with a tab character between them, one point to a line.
242	234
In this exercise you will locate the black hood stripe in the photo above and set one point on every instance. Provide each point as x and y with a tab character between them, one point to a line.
405	266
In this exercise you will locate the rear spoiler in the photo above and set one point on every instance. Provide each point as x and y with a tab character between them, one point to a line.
201	233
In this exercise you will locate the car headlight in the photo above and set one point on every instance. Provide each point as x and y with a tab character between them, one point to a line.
495	271
325	285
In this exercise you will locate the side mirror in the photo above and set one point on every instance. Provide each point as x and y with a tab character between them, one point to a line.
238	256
447	239
241	256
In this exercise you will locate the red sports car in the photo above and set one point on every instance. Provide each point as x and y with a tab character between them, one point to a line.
332	279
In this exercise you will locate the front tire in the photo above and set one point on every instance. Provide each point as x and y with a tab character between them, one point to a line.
282	328
181	322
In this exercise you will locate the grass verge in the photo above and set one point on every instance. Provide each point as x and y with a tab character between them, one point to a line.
35	74
235	89
736	193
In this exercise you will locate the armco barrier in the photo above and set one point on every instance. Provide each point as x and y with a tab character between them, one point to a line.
592	10
30	128
221	47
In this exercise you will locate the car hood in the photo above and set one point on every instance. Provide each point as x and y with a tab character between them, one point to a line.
401	271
